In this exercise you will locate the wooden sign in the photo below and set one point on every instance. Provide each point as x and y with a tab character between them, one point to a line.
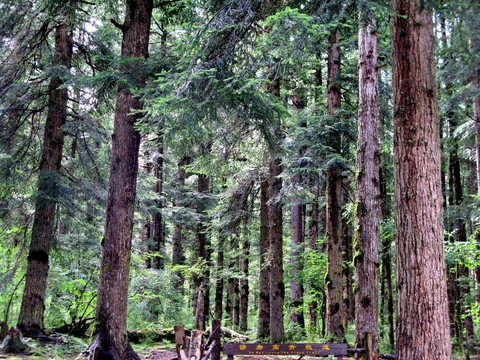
285	349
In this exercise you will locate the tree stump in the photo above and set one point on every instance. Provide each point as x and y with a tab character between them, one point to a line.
14	343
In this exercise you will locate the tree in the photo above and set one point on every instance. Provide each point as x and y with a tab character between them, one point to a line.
422	329
110	333
367	204
264	281
33	302
297	225
178	257
334	283
275	232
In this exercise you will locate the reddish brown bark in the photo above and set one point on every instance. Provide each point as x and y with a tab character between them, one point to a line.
110	333
33	302
367	206
422	329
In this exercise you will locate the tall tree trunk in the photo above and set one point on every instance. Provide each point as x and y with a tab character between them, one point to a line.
158	226
386	290
476	111
110	333
422	329
347	274
33	302
334	284
233	269
264	281
147	223
201	258
219	284
178	257
244	283
313	238
297	225
367	205
462	270
275	232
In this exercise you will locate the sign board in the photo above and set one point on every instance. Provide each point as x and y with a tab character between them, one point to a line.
285	349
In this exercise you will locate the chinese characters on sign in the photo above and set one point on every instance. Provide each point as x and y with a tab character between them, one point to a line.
282	349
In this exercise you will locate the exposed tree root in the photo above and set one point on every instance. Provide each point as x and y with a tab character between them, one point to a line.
102	349
14	343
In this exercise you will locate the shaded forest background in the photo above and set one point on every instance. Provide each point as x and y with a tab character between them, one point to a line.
235	125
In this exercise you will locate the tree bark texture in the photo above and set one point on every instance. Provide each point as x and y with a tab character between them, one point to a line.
110	333
422	324
33	301
334	277
334	284
367	205
264	281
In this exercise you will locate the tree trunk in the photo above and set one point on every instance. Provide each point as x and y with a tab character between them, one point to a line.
219	285
110	333
244	285
158	226
31	315
147	223
277	286
264	282
386	290
201	258
476	112
313	238
367	205
422	329
462	270
347	274
333	281
233	269
297	225
178	257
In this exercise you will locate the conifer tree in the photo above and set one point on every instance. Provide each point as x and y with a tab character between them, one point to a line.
31	318
367	205
422	325
110	333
